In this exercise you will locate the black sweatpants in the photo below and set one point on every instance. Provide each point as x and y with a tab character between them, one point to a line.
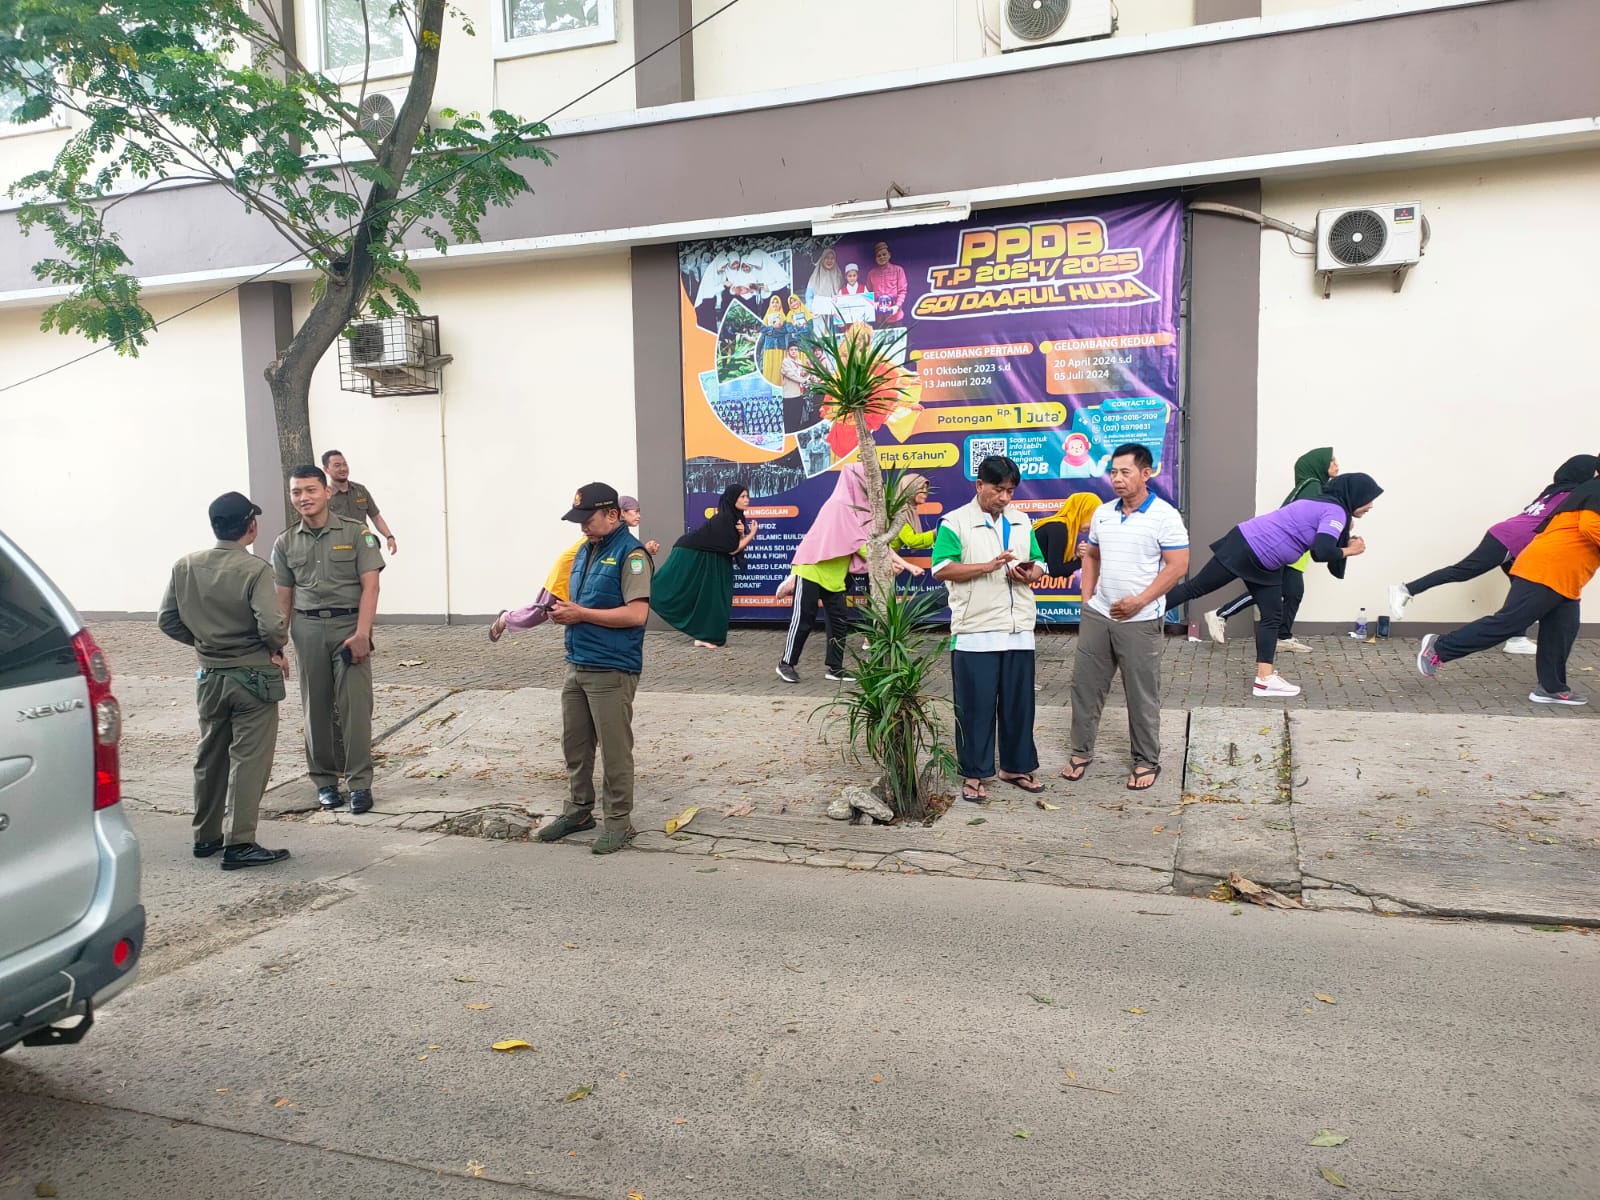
835	618
1294	591
1233	559
989	687
1526	603
1490	553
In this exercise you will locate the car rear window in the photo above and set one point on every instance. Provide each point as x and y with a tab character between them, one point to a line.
34	648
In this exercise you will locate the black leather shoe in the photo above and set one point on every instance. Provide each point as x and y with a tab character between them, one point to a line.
328	799
248	854
207	849
361	800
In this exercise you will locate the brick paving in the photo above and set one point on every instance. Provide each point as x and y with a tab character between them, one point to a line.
1341	674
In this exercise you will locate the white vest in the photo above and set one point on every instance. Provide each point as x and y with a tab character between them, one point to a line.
991	603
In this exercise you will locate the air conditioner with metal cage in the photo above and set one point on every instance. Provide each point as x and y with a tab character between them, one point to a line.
396	342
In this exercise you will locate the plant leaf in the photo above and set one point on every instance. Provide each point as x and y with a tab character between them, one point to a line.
678	822
579	1093
477	1007
1326	1137
1022	1133
1324	997
1332	1177
512	1045
1042	999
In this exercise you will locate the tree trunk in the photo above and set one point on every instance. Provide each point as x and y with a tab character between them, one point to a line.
344	293
880	572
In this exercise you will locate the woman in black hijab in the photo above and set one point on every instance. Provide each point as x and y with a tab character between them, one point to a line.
693	590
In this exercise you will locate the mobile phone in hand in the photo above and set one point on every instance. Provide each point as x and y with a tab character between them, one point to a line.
348	658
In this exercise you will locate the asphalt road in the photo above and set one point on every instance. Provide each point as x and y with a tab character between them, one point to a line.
750	1030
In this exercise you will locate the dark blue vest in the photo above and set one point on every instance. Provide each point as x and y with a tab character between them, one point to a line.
597	583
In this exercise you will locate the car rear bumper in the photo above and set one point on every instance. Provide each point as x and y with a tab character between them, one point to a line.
90	979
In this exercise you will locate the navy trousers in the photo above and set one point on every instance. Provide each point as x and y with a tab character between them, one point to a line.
990	689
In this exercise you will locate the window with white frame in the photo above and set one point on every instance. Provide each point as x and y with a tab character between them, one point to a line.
363	32
537	26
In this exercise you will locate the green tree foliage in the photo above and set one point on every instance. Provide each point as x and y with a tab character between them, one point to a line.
206	91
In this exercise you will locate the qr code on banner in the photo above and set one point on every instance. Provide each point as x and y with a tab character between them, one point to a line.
979	449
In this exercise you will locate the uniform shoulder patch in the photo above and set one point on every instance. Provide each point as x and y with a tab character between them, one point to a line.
636	563
370	539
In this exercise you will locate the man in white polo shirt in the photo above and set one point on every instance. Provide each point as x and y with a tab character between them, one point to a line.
1136	551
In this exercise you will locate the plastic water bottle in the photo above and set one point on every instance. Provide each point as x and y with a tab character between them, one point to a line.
1360	631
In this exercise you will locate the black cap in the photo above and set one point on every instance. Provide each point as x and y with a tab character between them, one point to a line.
232	507
591	497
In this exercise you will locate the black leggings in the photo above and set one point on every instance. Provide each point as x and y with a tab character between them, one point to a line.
1491	553
1266	585
1294	591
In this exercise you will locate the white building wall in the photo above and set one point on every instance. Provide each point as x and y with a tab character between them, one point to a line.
111	463
538	401
1463	393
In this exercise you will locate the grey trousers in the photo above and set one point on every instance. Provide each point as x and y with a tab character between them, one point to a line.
597	712
238	733
337	702
1105	647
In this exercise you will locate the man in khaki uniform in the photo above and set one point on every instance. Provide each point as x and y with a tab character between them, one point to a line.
220	601
353	500
326	568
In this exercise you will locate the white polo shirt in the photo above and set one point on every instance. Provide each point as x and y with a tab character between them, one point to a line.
1130	547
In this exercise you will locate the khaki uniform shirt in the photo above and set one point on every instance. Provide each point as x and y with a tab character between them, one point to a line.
221	601
356	503
324	566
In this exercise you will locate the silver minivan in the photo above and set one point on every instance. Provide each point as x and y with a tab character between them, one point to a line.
71	925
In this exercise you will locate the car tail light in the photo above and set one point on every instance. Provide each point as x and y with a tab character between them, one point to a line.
107	720
121	953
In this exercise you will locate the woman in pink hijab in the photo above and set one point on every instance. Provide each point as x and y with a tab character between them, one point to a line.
829	552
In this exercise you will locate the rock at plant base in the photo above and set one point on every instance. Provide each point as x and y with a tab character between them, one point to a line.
867	801
839	809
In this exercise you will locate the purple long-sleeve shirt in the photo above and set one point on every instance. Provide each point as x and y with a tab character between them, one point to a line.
1281	536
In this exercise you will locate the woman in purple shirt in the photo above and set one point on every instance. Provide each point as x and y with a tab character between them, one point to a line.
1503	542
1259	551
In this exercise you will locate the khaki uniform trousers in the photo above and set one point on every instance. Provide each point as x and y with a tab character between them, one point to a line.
337	701
238	734
597	711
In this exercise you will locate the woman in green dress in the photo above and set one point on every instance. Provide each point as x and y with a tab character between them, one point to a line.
693	590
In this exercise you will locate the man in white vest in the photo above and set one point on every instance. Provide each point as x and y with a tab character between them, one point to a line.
986	555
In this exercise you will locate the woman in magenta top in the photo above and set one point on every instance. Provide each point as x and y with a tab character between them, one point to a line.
1259	551
1504	541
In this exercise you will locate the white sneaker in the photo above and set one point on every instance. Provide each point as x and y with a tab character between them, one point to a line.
1293	646
1398	599
1521	645
1275	687
1216	627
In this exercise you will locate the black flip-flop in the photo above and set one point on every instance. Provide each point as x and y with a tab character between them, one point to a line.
1150	771
1021	781
1078	767
970	797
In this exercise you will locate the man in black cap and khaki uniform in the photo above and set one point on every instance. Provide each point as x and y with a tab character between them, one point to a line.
221	602
326	567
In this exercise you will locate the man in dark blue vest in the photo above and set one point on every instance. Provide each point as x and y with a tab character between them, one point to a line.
604	619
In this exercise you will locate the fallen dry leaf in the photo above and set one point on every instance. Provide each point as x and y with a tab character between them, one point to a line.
1332	1177
978	821
1138	1012
1259	893
680	1120
1326	1137
877	1079
1071	1074
1324	997
465	979
1022	1133
512	1045
45	1188
678	822
635	1196
622	1074
1047	806
739	810
569	945
579	1093
477	1007
1040	998
475	1169
283	1103
410	662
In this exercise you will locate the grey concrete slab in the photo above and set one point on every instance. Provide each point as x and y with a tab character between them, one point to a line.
761	1030
1490	816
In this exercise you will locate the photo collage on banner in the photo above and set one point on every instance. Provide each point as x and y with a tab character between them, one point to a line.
1048	335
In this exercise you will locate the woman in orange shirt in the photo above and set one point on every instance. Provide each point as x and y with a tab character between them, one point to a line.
1546	581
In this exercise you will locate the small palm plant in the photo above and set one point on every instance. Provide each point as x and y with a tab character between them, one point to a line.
888	718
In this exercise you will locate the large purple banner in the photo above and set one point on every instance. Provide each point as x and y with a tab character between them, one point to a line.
1049	335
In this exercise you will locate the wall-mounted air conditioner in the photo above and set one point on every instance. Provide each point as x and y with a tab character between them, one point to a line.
1026	24
1370	239
379	111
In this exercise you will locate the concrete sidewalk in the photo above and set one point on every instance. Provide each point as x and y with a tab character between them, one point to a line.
1447	814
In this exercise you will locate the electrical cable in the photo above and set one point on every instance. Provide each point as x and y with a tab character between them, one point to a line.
494	148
